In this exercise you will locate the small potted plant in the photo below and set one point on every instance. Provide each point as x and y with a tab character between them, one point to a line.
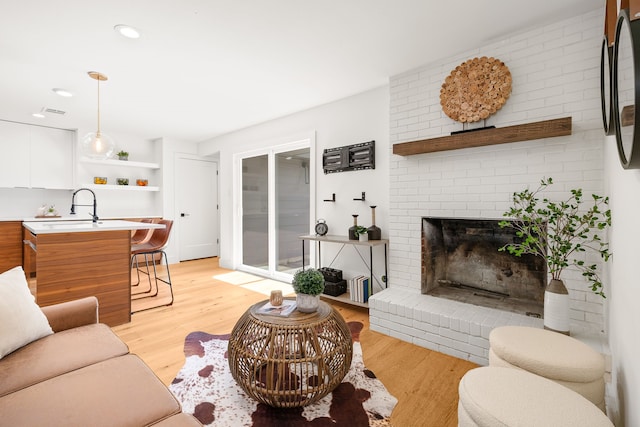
362	233
123	155
558	232
308	285
51	211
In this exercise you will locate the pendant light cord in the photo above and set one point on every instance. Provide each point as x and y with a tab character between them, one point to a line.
98	133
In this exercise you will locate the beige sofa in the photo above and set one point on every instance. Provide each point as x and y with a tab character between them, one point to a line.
82	375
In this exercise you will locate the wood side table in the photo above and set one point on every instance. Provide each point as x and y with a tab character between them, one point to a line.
290	361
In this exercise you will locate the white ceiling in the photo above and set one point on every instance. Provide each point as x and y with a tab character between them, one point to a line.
207	67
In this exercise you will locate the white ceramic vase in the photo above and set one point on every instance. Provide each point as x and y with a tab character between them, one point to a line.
307	303
556	307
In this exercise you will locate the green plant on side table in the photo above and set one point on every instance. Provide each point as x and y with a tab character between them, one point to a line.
559	232
308	285
122	155
361	232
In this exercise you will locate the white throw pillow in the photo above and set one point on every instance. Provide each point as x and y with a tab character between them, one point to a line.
21	320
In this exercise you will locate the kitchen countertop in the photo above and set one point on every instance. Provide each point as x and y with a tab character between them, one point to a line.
78	226
70	218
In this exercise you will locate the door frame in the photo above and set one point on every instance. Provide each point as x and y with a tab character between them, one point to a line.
176	208
307	140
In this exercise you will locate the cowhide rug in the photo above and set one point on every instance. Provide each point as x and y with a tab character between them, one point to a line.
206	389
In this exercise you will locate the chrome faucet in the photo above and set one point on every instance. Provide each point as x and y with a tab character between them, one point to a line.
95	203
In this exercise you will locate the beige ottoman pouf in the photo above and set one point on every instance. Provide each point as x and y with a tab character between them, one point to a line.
495	397
551	355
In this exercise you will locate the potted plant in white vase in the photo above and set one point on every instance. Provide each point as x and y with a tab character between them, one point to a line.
308	285
559	232
362	233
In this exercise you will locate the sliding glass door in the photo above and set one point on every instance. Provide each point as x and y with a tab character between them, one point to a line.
276	209
255	212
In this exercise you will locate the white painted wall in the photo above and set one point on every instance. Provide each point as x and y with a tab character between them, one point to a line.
623	186
356	119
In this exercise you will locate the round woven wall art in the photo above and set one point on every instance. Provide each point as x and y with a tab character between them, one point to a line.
475	89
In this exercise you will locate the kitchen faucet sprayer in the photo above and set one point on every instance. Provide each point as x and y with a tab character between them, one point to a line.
95	203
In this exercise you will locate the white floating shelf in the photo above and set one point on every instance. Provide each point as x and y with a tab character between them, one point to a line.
126	163
121	187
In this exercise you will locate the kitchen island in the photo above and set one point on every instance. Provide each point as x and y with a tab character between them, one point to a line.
74	259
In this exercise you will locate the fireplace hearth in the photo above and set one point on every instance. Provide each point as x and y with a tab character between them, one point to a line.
461	262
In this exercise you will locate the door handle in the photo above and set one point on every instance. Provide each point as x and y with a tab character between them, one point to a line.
184	214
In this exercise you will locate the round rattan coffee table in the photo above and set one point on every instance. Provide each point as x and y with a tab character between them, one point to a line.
290	361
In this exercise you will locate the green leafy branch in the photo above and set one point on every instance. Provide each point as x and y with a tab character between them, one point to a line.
558	231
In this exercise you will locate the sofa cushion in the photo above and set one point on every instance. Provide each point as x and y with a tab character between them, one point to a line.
21	320
57	354
121	391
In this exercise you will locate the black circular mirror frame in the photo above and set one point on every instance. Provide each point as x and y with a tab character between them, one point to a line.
627	158
606	87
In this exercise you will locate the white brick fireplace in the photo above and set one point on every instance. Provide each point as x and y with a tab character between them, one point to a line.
555	73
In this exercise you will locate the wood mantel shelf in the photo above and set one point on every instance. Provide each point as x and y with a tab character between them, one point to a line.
479	138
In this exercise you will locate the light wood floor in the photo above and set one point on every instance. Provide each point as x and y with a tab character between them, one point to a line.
424	382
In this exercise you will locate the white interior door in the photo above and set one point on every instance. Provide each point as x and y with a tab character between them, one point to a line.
197	207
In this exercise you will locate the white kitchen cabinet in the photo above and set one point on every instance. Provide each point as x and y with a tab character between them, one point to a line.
14	161
51	158
35	156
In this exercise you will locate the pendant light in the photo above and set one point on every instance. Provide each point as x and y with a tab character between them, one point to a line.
97	145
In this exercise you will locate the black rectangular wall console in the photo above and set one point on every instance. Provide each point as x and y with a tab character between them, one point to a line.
349	158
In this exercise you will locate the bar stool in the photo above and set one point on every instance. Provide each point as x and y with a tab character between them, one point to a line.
149	249
142	235
138	237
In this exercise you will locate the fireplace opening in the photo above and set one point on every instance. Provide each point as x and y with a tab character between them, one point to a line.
461	261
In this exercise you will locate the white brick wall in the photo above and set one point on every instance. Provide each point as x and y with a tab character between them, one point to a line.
555	73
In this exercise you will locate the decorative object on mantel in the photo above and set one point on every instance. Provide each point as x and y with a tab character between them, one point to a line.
559	232
97	145
308	285
374	232
352	230
482	137
475	89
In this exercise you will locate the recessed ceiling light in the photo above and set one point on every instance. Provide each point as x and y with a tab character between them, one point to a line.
62	92
38	115
127	31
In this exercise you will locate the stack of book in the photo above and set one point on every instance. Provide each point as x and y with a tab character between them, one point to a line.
360	289
283	310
